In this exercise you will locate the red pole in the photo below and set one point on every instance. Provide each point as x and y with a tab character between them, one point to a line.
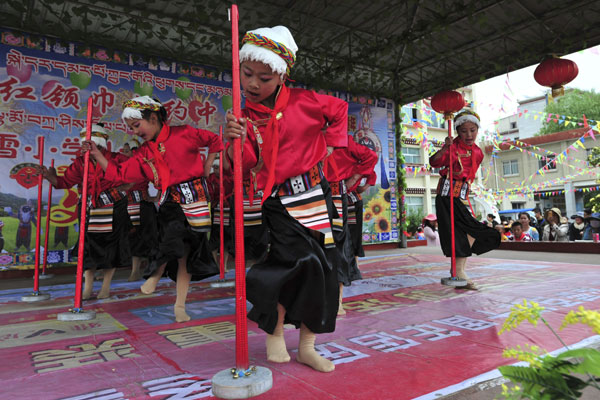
82	218
47	226
241	331
221	224
36	275
453	258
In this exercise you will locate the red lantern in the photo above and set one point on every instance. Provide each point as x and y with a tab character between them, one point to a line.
447	103
555	72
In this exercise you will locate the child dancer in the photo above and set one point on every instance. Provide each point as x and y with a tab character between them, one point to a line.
106	243
143	238
284	141
471	236
170	158
348	165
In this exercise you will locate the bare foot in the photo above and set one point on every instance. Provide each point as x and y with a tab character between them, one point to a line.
341	311
134	277
180	314
276	349
87	292
310	357
307	353
104	293
150	285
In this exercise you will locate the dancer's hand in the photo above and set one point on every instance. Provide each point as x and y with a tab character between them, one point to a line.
235	128
47	173
447	142
89	145
350	182
361	189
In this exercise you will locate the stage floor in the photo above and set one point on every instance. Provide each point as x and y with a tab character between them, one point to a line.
404	336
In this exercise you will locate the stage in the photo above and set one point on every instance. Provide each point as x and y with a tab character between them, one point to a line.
404	336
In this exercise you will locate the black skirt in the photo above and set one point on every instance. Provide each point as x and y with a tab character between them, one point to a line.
256	237
356	230
143	238
486	238
298	274
214	241
108	250
346	261
175	235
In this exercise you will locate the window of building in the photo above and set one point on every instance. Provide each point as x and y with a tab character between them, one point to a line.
517	205
510	168
412	155
413	204
549	160
409	115
513	125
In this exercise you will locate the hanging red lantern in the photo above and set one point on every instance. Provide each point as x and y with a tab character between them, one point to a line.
447	102
556	72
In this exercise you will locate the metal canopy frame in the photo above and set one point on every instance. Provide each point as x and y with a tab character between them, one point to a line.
404	50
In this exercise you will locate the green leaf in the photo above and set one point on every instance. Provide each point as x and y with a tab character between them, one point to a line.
589	364
536	380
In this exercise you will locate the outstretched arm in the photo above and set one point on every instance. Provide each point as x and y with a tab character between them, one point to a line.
95	153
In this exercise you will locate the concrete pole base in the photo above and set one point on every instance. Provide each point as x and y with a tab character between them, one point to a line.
34	297
46	276
76	315
222	283
225	386
453	281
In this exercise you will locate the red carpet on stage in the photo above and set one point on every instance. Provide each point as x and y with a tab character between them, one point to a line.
404	336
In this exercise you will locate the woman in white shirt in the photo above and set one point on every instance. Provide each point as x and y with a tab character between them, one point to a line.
555	231
430	230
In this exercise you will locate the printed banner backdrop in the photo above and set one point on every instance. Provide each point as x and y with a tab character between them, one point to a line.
44	89
371	123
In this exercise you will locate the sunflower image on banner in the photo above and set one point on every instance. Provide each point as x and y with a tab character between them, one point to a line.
371	125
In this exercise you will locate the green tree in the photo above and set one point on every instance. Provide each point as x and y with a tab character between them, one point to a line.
575	103
594	201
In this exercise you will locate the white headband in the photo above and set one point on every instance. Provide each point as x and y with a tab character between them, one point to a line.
466	118
99	140
136	113
279	34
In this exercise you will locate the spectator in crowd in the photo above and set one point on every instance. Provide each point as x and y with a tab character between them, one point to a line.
507	225
594	226
587	228
419	235
500	229
519	235
555	230
576	227
525	220
430	230
491	222
540	222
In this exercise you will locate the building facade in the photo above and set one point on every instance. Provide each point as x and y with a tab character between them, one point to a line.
542	171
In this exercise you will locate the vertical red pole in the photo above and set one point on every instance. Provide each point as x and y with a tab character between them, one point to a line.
82	218
36	274
241	331
221	224
45	263
453	239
